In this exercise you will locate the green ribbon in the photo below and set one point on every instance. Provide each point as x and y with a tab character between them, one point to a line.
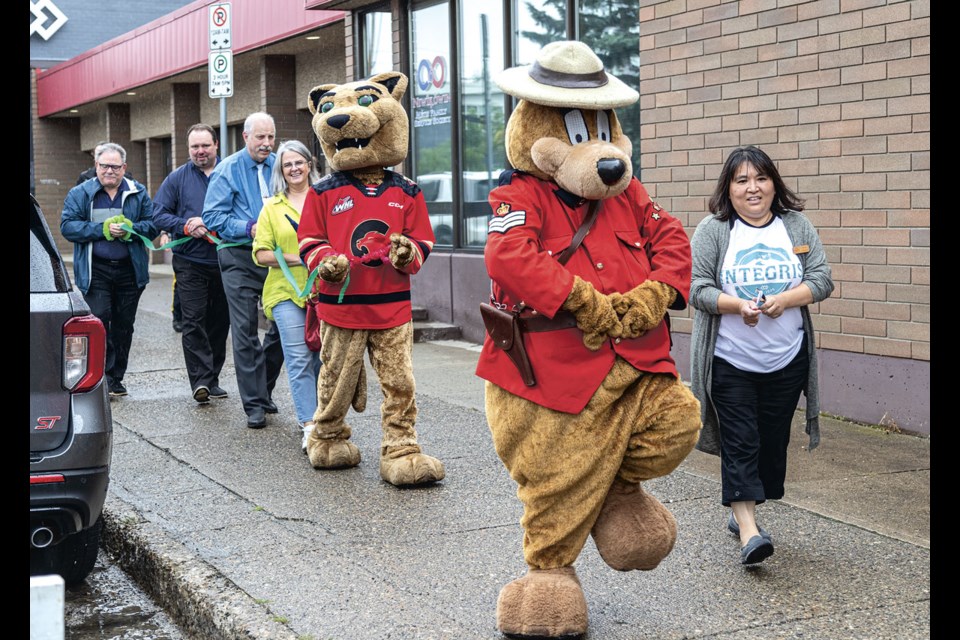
308	287
223	245
148	243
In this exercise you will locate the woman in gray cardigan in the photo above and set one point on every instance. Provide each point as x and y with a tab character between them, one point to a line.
757	265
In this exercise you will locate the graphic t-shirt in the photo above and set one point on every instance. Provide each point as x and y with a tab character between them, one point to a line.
760	259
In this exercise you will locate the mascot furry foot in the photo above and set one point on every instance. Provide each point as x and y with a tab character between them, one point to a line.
405	466
332	453
633	530
545	603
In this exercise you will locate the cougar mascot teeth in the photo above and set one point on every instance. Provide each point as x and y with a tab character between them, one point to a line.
365	230
583	399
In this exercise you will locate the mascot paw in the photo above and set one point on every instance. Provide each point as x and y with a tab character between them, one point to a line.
643	308
545	603
633	530
328	453
401	250
333	268
406	466
594	313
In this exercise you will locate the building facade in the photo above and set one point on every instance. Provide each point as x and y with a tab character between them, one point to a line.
836	91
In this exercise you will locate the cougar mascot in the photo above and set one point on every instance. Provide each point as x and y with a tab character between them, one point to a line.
365	230
583	399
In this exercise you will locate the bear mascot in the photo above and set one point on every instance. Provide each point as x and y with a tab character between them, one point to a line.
365	231
583	399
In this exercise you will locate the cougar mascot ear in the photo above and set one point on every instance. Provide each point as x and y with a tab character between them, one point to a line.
361	125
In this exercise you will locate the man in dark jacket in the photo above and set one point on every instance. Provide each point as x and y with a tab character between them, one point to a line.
177	208
110	264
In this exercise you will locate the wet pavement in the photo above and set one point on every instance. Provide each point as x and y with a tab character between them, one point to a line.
238	537
109	605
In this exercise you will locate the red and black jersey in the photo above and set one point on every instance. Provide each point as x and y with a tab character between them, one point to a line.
343	216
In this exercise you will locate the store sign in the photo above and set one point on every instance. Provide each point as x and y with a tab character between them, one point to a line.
47	18
431	100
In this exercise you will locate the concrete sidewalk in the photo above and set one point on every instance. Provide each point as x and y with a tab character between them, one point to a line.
239	537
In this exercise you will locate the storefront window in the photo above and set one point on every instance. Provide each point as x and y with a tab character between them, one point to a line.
377	38
482	123
539	22
431	114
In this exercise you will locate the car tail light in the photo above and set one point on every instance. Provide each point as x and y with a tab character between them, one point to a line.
84	353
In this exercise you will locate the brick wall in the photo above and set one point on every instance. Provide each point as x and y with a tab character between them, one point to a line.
278	82
57	161
837	92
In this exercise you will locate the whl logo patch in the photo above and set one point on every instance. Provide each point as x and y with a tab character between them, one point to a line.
343	204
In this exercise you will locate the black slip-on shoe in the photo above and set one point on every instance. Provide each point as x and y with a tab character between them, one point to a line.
117	389
217	393
756	550
201	394
256	420
270	407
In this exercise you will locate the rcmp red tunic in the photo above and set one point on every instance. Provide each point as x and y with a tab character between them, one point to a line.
632	240
340	216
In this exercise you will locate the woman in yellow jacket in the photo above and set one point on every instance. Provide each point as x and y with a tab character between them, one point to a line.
293	173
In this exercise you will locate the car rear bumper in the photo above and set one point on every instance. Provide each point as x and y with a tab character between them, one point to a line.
59	509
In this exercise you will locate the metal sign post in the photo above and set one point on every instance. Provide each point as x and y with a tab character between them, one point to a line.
220	66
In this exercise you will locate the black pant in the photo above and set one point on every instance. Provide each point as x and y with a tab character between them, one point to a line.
113	297
755	411
257	365
206	320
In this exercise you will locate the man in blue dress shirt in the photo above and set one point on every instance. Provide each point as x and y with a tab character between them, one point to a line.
235	195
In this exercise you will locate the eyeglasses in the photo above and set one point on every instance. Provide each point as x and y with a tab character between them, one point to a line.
110	167
296	164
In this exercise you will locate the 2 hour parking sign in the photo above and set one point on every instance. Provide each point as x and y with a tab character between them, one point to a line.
220	73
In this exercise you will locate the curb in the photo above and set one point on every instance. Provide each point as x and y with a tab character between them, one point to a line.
201	601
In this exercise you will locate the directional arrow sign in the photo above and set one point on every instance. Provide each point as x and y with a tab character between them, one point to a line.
220	73
220	26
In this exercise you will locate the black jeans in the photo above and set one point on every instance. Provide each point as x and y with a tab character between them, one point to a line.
755	411
113	297
206	320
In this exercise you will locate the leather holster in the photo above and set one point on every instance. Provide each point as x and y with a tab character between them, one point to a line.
503	327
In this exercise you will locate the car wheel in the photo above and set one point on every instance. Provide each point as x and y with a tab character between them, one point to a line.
73	558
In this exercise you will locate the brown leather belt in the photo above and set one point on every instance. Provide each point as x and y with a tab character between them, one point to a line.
536	323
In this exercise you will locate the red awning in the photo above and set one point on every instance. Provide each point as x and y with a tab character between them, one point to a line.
177	42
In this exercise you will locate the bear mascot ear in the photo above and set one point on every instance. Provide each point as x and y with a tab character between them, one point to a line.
564	128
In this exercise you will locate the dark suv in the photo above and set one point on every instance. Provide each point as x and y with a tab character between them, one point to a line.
71	427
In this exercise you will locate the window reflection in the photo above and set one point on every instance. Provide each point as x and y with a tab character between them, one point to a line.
539	22
377	48
430	115
619	49
483	153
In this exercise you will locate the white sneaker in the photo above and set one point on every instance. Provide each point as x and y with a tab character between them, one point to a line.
307	428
